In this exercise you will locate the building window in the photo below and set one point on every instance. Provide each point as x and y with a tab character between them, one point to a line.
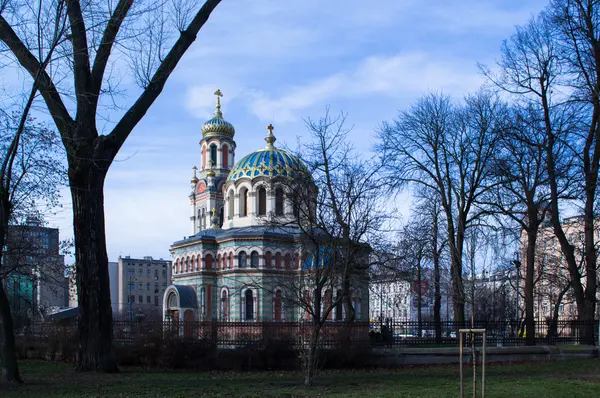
131	286
203	219
140	286
224	305
279	202
230	201
164	273
148	300
288	261
221	216
231	260
277	308
155	287
164	286
208	261
140	299
262	201
140	271
248	305
339	307
213	154
156	301
278	260
203	301
148	272
243	202
242	260
148	286
268	260
254	259
130	272
225	156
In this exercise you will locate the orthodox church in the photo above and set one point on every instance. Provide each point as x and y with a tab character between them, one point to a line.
230	266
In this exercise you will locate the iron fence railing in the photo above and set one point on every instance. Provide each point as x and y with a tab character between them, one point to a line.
237	334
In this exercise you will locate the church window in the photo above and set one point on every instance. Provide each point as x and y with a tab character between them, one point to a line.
225	156
254	259
203	219
230	203
338	307
219	263
277	313
278	260
268	260
288	261
243	202
203	301
242	260
208	260
262	201
249	305
231	260
224	305
221	216
172	301
279	201
213	154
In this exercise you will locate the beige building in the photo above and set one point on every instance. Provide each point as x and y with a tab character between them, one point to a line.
141	285
551	276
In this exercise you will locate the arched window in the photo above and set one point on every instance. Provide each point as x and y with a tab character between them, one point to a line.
208	260
221	216
268	260
219	262
225	156
231	260
248	305
224	305
278	260
279	201
254	259
288	261
204	160
243	202
203	301
203	219
187	264
327	303
192	263
262	201
339	316
213	154
277	308
230	201
172	300
242	260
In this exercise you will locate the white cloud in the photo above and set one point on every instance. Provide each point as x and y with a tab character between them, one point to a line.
393	77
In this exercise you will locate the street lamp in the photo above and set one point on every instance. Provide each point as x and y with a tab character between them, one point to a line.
517	263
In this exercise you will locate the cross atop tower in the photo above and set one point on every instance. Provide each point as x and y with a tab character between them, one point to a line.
219	94
270	128
270	138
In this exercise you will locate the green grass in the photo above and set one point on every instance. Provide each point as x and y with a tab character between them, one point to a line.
580	378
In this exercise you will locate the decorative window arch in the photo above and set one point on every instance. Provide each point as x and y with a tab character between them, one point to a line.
230	260
221	216
230	204
193	264
268	260
187	264
262	201
203	219
254	259
219	262
172	301
242	259
279	199
224	306
243	202
208	261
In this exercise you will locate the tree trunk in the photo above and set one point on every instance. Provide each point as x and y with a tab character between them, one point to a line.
419	299
311	360
8	349
95	328
437	303
529	277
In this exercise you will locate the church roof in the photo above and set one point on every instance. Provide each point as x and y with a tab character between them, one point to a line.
187	296
256	231
267	162
217	126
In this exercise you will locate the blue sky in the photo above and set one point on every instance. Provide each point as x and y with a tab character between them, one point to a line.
279	62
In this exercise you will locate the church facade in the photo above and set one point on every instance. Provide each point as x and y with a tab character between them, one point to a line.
231	267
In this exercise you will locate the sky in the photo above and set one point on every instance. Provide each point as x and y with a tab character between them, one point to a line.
280	62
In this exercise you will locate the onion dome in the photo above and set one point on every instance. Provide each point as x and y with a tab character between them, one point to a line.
267	162
217	126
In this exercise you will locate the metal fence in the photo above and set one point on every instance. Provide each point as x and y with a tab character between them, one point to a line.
238	334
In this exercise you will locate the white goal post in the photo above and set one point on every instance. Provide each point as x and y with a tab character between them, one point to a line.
472	333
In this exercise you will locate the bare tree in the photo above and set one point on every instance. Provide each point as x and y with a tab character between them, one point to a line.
553	62
339	219
98	36
447	149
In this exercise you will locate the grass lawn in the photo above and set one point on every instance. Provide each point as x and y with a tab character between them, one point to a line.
579	378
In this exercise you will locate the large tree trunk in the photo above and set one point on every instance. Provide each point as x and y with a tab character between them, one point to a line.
8	349
529	277
95	328
310	361
419	300
587	332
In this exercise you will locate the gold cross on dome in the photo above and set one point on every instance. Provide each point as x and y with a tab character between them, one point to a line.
270	128
218	93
